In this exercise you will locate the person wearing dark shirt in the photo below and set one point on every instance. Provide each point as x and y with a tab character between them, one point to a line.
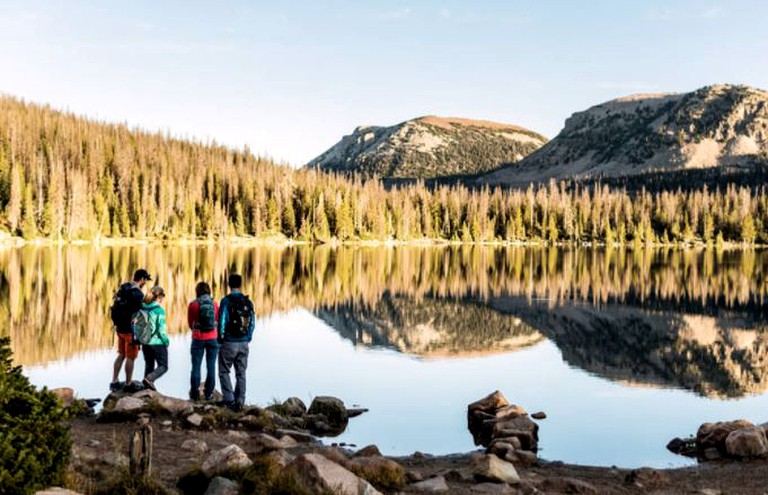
127	349
236	324
203	317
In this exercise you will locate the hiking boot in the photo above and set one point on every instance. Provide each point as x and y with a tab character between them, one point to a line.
115	386
149	384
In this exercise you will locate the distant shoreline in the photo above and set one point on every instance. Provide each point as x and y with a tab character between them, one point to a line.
16	242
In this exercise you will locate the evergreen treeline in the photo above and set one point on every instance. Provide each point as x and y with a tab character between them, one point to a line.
62	176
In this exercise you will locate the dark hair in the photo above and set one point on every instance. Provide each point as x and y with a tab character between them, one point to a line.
235	281
202	288
141	274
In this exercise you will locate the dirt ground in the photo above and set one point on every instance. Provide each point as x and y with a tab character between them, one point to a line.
99	448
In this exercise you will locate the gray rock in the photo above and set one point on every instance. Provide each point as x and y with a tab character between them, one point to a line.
128	404
146	393
293	406
299	436
368	451
237	435
195	445
172	405
226	459
749	441
222	486
281	457
431	485
194	419
502	488
714	434
487	467
332	410
319	474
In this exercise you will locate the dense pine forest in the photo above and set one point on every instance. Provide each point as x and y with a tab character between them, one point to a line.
66	177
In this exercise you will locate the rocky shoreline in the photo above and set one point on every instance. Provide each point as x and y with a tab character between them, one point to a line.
200	448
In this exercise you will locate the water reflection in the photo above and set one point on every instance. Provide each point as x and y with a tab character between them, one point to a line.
692	319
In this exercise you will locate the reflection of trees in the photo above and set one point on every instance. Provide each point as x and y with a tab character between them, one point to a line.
54	300
430	327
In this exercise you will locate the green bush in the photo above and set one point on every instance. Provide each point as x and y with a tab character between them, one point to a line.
34	444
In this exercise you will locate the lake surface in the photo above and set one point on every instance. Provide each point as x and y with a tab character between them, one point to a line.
623	350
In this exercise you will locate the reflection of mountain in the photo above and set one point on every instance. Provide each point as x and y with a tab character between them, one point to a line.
723	356
715	356
430	327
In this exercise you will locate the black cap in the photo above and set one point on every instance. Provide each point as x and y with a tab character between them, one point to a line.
141	274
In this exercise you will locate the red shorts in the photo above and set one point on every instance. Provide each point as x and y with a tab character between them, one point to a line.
126	347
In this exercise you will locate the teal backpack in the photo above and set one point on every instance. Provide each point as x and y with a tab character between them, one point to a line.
143	327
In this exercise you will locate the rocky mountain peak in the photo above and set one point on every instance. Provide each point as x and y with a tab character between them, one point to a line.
428	147
715	126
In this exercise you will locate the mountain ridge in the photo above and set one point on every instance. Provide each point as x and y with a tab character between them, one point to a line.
715	126
428	147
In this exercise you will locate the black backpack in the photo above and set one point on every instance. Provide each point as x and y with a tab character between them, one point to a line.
206	315
239	316
121	311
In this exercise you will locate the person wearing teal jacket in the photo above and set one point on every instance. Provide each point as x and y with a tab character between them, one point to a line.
156	351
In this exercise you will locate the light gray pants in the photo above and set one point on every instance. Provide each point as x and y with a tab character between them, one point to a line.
233	353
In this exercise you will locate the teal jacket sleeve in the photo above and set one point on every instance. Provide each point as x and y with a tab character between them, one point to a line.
223	314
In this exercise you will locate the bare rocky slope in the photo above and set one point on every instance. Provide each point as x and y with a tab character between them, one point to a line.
716	126
429	147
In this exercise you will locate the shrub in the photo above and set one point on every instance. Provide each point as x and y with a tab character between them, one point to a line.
34	443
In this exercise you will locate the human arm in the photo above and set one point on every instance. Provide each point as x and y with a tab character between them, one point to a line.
161	330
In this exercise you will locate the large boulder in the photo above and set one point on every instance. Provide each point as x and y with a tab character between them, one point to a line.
227	459
319	474
380	471
128	405
493	413
488	467
171	405
749	441
713	435
327	416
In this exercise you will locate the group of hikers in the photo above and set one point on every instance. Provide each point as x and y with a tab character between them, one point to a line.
221	332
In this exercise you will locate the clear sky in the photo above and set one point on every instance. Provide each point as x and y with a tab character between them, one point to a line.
289	78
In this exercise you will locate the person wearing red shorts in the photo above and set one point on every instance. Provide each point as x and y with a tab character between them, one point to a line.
127	302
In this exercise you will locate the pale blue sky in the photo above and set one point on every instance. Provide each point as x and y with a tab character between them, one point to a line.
289	78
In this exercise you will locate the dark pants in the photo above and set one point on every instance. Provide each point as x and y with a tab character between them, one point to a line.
155	354
209	348
233	353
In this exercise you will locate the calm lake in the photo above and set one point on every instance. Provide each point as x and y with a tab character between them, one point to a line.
623	350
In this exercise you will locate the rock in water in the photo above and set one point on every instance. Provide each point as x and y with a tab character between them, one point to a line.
333	412
713	435
749	441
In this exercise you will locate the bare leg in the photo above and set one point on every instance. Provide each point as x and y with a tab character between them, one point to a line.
129	370
118	365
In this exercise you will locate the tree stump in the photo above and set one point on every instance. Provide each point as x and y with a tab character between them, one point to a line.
140	452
